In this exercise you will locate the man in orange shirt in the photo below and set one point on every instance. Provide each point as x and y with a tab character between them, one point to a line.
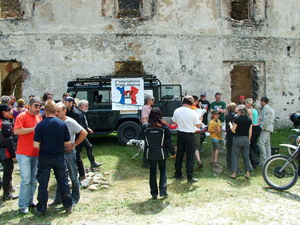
27	155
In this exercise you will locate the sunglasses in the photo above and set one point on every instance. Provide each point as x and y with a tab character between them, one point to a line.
37	105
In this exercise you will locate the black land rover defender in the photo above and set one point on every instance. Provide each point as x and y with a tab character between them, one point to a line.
103	120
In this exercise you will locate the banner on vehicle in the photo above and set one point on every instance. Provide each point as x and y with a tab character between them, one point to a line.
127	93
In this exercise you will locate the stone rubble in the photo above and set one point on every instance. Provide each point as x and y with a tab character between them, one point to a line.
95	181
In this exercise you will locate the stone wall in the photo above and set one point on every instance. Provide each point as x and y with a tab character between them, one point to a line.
195	43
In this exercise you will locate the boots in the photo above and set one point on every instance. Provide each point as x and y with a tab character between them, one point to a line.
93	163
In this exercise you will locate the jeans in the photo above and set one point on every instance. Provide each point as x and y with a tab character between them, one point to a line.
72	168
28	171
59	167
186	144
8	168
264	145
162	177
240	144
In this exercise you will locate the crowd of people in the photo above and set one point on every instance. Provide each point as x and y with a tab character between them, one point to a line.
44	135
236	126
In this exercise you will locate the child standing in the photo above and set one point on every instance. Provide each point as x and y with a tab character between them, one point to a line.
215	130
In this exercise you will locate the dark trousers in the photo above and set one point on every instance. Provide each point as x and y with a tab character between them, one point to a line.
60	171
254	152
229	137
202	138
79	161
8	168
240	144
162	177
185	144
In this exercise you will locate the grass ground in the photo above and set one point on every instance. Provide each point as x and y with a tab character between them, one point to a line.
214	199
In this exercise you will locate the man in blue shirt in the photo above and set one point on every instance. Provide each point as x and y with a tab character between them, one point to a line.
51	137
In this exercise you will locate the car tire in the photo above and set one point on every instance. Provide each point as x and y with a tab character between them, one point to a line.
128	130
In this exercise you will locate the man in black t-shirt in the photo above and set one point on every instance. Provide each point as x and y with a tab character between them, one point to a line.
51	137
204	105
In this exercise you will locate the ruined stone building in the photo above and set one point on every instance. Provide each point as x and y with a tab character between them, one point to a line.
237	47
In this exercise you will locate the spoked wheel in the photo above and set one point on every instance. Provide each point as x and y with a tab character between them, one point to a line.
278	178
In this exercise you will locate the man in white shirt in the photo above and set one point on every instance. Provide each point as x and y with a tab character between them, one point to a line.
187	119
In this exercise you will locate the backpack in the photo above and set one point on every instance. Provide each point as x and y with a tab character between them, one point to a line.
154	144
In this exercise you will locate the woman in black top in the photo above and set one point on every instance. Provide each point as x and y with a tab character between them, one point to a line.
158	142
242	128
231	108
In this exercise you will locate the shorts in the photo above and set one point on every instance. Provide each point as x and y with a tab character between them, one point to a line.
216	144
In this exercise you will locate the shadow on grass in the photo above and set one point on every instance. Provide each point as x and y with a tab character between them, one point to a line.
51	214
284	194
181	186
149	207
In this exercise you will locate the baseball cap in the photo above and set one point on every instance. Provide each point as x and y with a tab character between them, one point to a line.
4	107
203	93
69	99
242	98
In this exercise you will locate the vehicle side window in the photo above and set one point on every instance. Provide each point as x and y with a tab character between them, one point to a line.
170	92
102	96
82	95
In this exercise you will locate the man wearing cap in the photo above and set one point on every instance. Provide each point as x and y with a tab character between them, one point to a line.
187	119
76	114
7	151
27	154
241	100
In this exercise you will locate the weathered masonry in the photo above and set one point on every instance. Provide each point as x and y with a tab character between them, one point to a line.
237	47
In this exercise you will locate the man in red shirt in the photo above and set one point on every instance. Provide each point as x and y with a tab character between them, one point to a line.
27	155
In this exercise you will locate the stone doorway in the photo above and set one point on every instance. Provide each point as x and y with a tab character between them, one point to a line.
241	82
12	77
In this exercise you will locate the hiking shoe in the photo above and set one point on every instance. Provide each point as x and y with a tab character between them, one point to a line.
9	197
95	164
69	210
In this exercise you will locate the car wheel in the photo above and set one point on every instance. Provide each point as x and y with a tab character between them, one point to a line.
128	130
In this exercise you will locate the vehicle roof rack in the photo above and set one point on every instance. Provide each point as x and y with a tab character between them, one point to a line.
107	79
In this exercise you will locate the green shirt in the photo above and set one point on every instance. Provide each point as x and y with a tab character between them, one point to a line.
218	105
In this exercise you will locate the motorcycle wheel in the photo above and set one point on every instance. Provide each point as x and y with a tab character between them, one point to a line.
279	180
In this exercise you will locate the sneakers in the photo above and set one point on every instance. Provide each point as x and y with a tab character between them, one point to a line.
192	180
154	197
24	211
9	197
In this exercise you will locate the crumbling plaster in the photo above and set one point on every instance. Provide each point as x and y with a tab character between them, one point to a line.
191	42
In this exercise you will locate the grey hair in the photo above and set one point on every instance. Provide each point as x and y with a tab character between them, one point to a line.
147	98
61	105
82	102
5	99
34	100
249	101
243	110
